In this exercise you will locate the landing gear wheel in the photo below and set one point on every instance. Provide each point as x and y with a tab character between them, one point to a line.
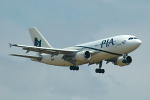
100	71
124	61
71	67
77	68
74	68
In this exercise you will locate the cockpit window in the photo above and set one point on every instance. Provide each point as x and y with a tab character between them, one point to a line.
135	38
131	38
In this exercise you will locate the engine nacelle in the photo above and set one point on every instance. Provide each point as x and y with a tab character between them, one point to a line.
123	62
83	55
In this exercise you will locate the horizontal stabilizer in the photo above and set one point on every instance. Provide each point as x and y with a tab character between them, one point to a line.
25	56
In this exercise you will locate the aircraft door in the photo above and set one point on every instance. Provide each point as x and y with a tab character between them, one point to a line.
119	46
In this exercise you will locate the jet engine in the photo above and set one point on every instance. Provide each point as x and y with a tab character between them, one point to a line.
83	55
123	61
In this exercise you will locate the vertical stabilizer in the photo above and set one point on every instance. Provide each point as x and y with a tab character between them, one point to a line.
38	39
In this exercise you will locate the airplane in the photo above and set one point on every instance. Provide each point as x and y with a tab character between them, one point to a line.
113	49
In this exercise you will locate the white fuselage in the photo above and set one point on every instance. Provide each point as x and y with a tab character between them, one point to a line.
105	49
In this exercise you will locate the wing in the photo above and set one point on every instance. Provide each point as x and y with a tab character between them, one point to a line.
53	51
32	57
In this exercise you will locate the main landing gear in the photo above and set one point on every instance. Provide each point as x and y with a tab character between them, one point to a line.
99	70
74	68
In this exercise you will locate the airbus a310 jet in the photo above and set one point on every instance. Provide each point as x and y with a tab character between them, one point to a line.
114	49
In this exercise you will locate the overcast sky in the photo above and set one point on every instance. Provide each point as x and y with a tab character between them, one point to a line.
66	23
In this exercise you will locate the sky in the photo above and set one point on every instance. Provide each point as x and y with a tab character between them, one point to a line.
67	23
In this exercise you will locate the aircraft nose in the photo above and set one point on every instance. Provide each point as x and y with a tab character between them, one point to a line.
138	42
132	44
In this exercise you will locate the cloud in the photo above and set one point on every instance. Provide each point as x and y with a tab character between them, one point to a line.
66	23
79	98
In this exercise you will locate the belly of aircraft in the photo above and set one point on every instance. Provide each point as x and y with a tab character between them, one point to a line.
58	61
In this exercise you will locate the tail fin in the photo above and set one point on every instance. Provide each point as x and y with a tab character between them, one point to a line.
38	39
